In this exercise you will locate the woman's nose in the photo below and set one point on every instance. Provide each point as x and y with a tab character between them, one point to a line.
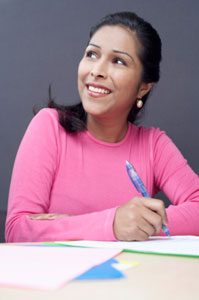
99	70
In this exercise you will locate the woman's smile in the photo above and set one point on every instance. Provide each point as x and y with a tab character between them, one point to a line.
96	90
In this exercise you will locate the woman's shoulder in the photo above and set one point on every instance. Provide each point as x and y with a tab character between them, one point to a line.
150	137
47	113
158	141
46	118
45	122
147	132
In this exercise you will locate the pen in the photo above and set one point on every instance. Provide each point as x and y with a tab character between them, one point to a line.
136	180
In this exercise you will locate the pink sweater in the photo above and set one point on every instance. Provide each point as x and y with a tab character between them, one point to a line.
76	174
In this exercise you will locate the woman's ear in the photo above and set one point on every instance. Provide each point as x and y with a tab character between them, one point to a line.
145	88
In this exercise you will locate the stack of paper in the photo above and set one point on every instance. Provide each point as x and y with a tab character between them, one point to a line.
47	267
175	245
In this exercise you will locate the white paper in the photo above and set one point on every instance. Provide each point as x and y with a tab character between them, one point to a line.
175	245
44	267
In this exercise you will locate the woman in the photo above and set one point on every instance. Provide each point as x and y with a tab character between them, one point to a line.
69	179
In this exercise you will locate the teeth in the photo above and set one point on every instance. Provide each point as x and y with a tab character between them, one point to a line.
97	90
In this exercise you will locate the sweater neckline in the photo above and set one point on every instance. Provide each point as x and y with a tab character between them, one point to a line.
109	144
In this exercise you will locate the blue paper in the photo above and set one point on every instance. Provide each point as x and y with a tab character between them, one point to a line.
102	271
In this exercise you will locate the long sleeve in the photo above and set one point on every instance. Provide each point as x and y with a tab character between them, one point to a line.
179	183
35	172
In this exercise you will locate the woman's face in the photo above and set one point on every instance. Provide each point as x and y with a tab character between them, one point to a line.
109	74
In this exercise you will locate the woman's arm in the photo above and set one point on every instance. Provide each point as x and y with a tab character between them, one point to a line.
180	184
33	176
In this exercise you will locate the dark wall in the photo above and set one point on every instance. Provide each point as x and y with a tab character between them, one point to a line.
42	41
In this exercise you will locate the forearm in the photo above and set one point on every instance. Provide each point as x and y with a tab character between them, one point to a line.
183	219
92	226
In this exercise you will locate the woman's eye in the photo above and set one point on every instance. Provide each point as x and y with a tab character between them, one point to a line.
119	61
91	54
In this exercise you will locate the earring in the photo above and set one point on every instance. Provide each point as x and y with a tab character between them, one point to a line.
139	103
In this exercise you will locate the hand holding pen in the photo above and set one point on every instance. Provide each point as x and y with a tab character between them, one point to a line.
139	218
136	180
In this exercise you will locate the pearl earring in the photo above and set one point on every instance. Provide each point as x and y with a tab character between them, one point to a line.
139	103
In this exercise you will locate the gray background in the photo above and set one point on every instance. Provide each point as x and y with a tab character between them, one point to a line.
42	41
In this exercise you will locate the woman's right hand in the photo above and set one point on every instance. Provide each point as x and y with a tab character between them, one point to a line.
139	218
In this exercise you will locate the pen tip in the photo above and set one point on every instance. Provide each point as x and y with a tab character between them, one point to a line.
165	229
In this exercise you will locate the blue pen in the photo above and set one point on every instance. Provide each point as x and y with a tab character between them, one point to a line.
140	187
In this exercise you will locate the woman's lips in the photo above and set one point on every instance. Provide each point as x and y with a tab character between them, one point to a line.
96	90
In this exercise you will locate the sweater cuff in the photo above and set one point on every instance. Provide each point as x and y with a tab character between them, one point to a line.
108	226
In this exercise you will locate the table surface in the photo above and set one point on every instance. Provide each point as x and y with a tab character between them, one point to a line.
155	277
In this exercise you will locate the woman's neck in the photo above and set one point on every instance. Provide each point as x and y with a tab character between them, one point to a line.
107	130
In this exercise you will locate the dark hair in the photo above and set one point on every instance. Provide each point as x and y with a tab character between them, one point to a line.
73	118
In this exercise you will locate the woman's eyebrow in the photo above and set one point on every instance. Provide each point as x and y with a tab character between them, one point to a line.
90	44
125	53
115	51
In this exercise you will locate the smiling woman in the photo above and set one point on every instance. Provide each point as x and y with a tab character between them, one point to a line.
69	179
109	79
